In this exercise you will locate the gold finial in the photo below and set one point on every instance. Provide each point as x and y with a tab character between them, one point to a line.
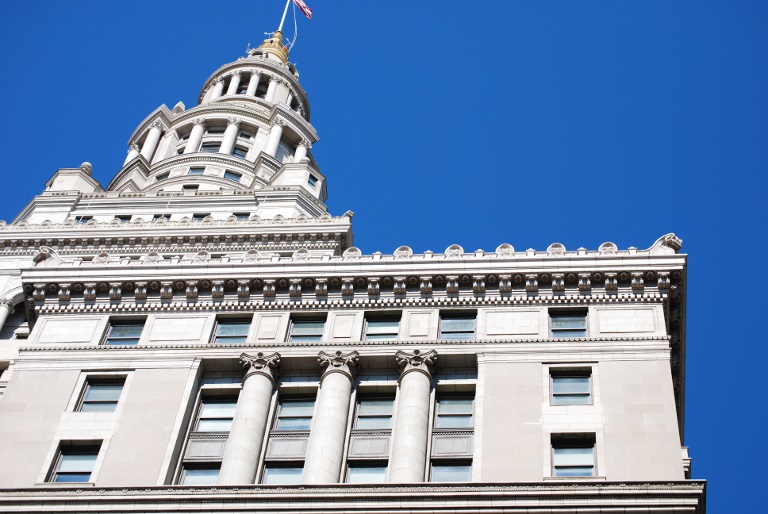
274	45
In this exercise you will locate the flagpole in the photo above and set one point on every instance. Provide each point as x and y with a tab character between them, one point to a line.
287	3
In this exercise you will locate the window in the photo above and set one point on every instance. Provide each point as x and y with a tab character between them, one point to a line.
374	413
163	176
100	394
216	414
200	474
457	327
124	218
231	332
312	180
282	474
215	130
211	147
454	411
231	175
367	473
382	329
573	455
197	171
451	472
190	187
306	330
124	333
242	216
200	216
568	324
294	414
75	462
239	151
83	219
245	135
571	386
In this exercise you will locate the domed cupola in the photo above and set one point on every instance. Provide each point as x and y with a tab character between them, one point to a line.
249	131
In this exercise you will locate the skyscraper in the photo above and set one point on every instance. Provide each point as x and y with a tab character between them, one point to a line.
201	335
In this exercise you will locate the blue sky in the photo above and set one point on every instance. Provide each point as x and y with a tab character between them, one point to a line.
525	122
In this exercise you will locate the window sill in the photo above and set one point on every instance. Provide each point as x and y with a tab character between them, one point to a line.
578	479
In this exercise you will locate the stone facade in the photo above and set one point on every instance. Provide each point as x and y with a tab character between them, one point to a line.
201	336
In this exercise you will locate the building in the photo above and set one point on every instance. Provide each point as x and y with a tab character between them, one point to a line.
202	336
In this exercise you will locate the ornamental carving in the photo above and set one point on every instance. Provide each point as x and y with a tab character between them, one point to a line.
115	291
558	282
141	291
347	287
300	255
425	285
65	293
166	290
668	244
152	258
244	289
191	291
478	284
637	280
47	257
399	285
201	257
531	283
608	248
269	289
251	256
217	289
416	361
373	287
344	363
454	251
267	365
663	280
452	284
321	287
403	252
556	249
351	254
505	284
294	289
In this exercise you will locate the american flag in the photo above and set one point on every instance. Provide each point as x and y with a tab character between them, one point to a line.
304	8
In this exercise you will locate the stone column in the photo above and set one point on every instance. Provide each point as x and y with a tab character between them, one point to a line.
230	136
234	83
271	90
289	100
133	152
275	134
241	454
218	89
6	309
195	137
301	150
410	436
253	84
329	426
150	143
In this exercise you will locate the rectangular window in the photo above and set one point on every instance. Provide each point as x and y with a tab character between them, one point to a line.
197	171
573	455
231	332
231	175
200	474
200	216
367	473
126	218
75	462
100	394
245	135
382	329
211	147
283	475
312	180
124	333
568	324
216	414
163	176
240	152
242	216
190	187
451	472
457	327
454	411
216	130
374	413
83	219
306	330
295	414
571	386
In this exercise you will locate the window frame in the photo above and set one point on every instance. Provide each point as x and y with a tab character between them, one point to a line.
233	175
383	465
570	441
454	415
382	319
71	448
199	466
89	383
240	151
567	332
196	171
115	323
225	322
562	398
279	416
453	463
299	465
312	337
373	397
451	317
214	399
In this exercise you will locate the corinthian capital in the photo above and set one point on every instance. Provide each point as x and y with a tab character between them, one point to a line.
234	121
260	364
416	361
344	363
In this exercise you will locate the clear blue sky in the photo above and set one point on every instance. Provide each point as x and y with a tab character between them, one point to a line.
525	122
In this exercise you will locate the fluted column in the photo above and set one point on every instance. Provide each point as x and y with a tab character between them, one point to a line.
410	436
218	89
230	136
150	143
241	454
301	150
133	152
195	137
6	309
275	134
329	426
271	90
234	83
253	84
